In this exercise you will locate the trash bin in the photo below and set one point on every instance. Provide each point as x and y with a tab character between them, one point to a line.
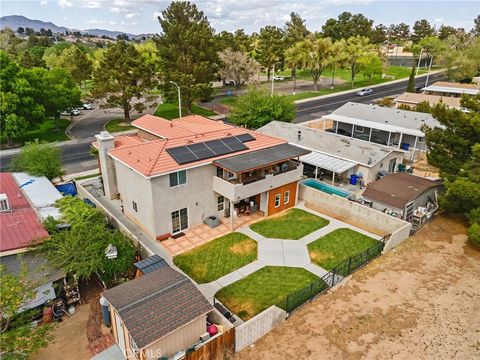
353	179
405	146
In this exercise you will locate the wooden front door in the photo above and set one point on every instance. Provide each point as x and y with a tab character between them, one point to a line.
282	198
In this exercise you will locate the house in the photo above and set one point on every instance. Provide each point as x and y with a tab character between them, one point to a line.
444	88
159	315
174	175
413	99
381	125
335	156
412	198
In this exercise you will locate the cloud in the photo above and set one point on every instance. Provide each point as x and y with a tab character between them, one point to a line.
65	4
131	15
439	19
44	2
95	22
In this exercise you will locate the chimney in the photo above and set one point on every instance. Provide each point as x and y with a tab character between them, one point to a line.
105	142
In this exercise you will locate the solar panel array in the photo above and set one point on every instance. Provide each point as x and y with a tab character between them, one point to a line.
208	149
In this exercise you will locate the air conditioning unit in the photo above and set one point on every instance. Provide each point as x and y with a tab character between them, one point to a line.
4	204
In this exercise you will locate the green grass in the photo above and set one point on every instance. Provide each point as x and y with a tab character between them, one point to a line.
229	100
170	111
46	132
337	246
218	257
266	287
293	225
117	125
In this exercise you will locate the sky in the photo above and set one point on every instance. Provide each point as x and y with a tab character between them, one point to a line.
140	16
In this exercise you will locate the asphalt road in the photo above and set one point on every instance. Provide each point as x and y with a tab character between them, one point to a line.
317	108
76	156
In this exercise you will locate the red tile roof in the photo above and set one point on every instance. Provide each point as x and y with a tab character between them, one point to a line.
21	227
151	159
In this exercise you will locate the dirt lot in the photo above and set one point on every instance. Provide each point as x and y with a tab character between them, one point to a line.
420	301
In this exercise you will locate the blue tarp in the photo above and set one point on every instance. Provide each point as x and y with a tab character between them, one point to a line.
67	188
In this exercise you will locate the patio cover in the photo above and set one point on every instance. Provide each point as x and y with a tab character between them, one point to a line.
451	90
327	162
260	158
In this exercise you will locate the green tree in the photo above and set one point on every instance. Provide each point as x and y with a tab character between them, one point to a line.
257	108
399	32
238	67
316	56
18	109
411	87
422	29
293	59
354	49
346	26
18	338
187	52
371	65
29	59
123	79
379	34
476	26
295	30
445	31
39	159
78	63
271	47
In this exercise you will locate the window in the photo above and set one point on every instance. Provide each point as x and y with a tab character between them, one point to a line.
178	178
220	203
219	172
230	175
179	220
359	129
286	197
134	205
277	200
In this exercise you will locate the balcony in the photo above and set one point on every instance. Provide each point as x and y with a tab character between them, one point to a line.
235	190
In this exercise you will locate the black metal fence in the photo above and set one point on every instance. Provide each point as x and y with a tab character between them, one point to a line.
294	300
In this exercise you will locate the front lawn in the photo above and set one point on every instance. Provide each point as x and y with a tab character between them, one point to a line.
293	225
170	111
117	125
266	287
218	257
337	246
44	132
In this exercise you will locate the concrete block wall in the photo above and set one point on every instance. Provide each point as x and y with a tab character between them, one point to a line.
253	329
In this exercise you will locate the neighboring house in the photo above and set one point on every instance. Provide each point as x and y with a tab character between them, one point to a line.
159	315
444	88
173	175
413	99
407	196
381	125
333	155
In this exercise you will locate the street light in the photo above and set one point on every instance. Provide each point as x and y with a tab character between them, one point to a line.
179	99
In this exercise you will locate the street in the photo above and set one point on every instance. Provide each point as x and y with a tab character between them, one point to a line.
76	156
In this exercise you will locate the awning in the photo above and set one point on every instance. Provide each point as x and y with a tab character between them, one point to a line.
260	158
327	162
451	90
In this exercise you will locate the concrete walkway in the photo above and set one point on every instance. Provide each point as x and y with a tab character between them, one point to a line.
281	252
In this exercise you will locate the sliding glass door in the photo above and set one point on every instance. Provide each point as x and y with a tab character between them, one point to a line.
179	220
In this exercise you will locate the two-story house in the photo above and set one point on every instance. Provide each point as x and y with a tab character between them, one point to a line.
173	175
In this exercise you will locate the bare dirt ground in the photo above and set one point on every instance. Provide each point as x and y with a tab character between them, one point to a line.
421	167
420	301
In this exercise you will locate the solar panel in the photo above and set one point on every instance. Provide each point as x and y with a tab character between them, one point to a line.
229	140
218	147
204	154
237	146
195	147
182	155
245	137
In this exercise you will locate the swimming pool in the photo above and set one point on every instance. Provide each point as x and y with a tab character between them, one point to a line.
329	189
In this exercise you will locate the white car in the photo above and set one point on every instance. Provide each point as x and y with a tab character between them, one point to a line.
87	106
70	112
365	92
278	78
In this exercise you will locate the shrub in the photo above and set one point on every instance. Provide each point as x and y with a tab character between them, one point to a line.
474	234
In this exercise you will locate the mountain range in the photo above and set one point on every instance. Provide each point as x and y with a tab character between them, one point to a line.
15	21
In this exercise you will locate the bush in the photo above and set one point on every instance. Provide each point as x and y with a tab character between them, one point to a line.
474	234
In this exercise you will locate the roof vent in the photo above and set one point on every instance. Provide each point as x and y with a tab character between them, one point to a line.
4	204
171	123
189	141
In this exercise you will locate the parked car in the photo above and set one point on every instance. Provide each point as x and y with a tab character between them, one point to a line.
365	92
87	106
229	83
278	78
70	112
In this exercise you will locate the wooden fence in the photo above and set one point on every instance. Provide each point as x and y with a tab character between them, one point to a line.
219	348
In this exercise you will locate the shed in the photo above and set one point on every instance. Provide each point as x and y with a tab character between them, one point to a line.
149	265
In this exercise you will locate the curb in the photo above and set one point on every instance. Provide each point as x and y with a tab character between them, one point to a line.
356	89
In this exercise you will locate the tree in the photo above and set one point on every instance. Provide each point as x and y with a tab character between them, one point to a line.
81	249
460	57
18	338
445	31
257	108
77	63
238	67
271	46
476	27
187	52
354	49
8	41
347	25
28	59
293	59
39	159
18	109
371	65
242	40
400	32
20	30
295	30
422	29
379	34
411	87
123	79
315	55
338	58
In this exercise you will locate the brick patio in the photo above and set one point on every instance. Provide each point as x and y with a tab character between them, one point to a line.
202	234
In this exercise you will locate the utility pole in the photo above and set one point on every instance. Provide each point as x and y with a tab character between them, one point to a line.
179	99
273	79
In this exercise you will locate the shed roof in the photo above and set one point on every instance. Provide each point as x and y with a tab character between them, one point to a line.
39	270
150	264
260	158
398	189
157	304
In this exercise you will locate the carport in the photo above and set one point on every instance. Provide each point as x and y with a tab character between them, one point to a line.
327	162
